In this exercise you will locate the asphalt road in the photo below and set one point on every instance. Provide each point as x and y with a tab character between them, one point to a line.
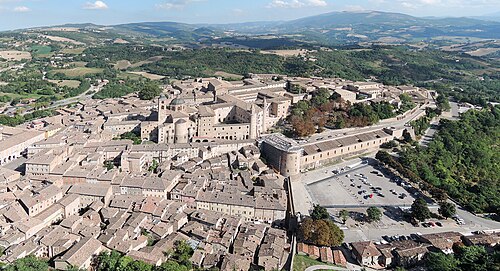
325	267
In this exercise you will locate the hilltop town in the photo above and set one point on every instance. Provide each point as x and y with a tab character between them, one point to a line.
196	164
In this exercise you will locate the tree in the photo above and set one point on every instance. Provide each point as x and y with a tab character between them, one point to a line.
441	262
442	103
447	209
28	263
407	136
154	166
319	212
149	91
320	97
320	232
109	165
419	210
374	214
344	215
182	254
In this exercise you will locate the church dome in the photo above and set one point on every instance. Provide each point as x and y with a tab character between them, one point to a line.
177	101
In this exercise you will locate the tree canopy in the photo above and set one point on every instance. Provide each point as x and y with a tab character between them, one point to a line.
374	214
319	212
447	209
321	232
419	210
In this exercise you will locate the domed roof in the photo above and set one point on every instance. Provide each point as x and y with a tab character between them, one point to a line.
181	121
177	101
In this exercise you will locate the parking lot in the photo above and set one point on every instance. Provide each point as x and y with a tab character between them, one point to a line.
363	185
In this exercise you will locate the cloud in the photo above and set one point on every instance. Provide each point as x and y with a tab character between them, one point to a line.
296	3
176	4
95	5
21	9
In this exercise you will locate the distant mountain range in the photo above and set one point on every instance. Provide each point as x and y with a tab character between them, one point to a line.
329	28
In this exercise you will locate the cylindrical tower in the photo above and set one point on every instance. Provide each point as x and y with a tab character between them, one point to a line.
181	131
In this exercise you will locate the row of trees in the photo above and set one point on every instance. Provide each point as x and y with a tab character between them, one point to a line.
420	211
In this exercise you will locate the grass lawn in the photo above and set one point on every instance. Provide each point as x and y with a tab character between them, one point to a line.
80	71
41	50
301	262
21	96
129	76
66	83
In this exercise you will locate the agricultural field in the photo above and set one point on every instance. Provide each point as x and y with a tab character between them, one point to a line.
76	72
15	55
148	61
149	75
41	50
123	65
288	53
66	83
62	39
483	51
77	64
73	51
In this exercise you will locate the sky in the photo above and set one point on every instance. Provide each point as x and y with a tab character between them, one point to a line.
15	14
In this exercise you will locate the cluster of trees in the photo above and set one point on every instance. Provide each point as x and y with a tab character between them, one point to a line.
115	261
395	65
135	137
325	110
422	124
204	62
319	229
420	211
464	259
117	52
20	119
462	160
146	89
